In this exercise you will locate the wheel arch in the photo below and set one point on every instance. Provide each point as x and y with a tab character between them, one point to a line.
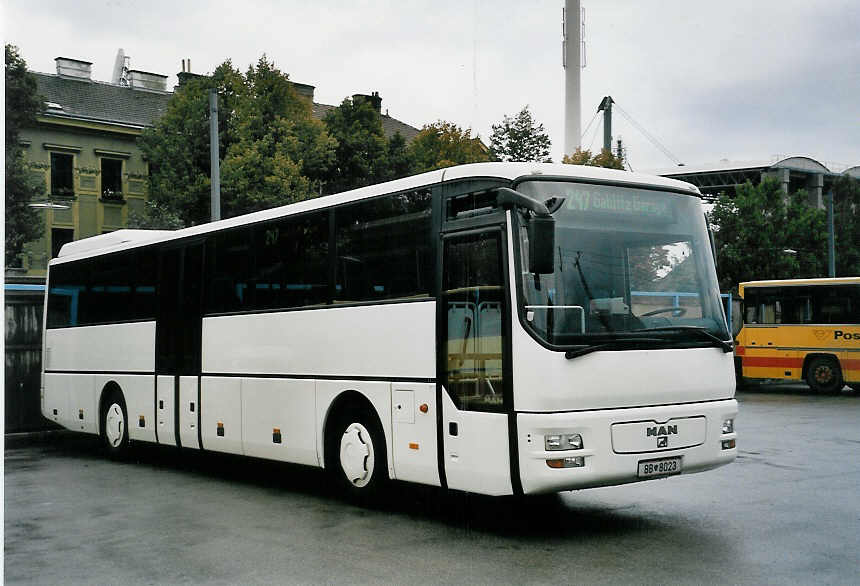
345	402
109	388
812	356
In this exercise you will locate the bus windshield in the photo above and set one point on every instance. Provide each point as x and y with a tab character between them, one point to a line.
629	262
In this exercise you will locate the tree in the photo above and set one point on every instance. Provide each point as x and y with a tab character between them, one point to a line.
272	150
444	144
520	139
362	150
23	223
604	158
846	221
763	234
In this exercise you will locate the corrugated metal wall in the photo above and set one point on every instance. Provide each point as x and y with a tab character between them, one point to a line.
23	313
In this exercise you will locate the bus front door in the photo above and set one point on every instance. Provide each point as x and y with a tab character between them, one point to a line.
177	346
475	355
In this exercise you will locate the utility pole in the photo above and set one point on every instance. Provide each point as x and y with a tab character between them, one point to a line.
215	163
606	106
831	241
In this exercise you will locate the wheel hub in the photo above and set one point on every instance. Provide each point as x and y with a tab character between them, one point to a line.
356	455
823	374
114	425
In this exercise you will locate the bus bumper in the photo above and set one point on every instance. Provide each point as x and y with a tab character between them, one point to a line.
603	463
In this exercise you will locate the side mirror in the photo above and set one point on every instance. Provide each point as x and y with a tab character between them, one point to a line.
541	245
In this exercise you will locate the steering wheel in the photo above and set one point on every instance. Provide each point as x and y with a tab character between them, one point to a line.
676	311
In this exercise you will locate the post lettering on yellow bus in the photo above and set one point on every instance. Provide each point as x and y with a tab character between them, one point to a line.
839	334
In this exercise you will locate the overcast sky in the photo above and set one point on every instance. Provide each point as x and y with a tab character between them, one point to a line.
734	79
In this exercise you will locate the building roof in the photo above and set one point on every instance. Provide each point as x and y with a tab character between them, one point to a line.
87	99
794	163
390	126
95	100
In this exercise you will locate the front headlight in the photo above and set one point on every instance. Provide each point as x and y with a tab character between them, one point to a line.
728	426
564	441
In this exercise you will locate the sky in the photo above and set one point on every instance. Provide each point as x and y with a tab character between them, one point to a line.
736	79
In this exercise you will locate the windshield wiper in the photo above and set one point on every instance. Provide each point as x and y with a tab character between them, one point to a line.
614	344
726	346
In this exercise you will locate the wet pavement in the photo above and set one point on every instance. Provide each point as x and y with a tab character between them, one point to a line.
787	511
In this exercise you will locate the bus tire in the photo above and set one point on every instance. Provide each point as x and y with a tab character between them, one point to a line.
355	454
824	375
854	387
114	428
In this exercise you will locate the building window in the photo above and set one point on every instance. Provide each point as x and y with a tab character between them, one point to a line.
62	179
59	237
112	179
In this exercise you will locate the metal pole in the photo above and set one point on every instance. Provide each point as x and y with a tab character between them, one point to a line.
606	106
215	163
831	241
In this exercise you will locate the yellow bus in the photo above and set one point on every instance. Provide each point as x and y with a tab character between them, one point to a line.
801	329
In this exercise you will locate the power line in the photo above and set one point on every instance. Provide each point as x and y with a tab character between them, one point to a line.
584	132
648	135
597	127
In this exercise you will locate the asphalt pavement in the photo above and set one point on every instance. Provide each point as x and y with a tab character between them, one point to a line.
787	511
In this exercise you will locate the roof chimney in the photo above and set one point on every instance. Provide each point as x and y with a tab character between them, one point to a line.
73	68
374	100
148	81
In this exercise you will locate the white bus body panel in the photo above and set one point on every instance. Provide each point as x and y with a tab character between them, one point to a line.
69	395
545	381
283	404
477	459
221	407
126	347
414	432
165	410
188	407
604	466
392	340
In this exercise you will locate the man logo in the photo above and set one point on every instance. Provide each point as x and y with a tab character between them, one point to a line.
663	442
662	430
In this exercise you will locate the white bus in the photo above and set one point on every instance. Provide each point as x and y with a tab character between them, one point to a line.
470	328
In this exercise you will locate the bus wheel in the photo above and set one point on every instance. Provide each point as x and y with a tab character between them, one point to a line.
356	454
854	387
824	376
115	425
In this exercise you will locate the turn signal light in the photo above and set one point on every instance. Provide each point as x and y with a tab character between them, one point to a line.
575	462
728	444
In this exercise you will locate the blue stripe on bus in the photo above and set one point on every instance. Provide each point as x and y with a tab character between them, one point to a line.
16	287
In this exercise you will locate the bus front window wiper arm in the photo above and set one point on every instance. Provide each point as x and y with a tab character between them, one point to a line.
616	344
724	344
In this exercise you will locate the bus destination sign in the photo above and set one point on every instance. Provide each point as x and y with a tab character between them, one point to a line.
625	203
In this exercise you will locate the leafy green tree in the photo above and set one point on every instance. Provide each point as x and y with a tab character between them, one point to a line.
23	224
444	144
604	158
362	150
398	157
763	234
155	217
520	139
272	150
846	222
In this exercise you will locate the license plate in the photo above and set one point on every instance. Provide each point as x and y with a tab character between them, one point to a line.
661	467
